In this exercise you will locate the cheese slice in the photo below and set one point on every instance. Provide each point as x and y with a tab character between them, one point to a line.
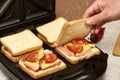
87	47
47	65
33	65
70	53
41	62
40	54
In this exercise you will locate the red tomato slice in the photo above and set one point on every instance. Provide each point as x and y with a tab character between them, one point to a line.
79	41
75	48
32	57
49	58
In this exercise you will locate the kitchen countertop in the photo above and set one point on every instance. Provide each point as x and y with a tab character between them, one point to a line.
106	45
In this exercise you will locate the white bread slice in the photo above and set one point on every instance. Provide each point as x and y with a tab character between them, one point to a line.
71	59
21	42
45	71
10	57
73	29
41	73
62	33
45	41
75	59
95	51
51	30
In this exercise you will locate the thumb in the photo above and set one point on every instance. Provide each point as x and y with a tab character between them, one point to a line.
98	19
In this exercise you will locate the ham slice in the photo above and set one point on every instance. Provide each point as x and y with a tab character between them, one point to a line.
35	69
51	65
84	53
40	65
88	53
31	67
91	52
66	51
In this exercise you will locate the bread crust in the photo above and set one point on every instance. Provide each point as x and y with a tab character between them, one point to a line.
22	42
41	73
45	41
73	29
71	59
69	31
74	59
50	31
10	57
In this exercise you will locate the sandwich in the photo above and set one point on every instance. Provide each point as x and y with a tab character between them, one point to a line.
72	44
77	49
40	63
15	46
70	31
50	32
57	32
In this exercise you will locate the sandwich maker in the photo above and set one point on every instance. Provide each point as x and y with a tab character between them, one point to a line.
17	15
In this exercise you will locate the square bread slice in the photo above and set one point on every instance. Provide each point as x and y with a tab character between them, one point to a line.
60	31
40	67
51	30
22	42
72	30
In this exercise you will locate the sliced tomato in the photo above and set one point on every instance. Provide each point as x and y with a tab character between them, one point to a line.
32	57
75	48
49	58
79	41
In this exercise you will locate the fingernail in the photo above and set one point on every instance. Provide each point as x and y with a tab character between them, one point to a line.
89	22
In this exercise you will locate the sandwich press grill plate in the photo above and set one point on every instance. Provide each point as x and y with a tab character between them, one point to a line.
90	69
16	15
4	4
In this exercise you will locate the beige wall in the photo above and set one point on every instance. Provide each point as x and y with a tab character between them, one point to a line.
72	9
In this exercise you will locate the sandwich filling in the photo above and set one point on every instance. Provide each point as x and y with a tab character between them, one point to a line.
9	55
7	50
22	42
41	60
77	48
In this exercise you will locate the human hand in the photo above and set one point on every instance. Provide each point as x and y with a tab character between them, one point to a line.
101	12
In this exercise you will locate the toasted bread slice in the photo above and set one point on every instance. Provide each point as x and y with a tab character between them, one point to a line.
41	73
75	59
45	69
51	30
9	55
73	29
22	42
45	41
61	31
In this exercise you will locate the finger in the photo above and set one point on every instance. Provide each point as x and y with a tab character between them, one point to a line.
92	10
89	12
97	29
93	30
98	20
